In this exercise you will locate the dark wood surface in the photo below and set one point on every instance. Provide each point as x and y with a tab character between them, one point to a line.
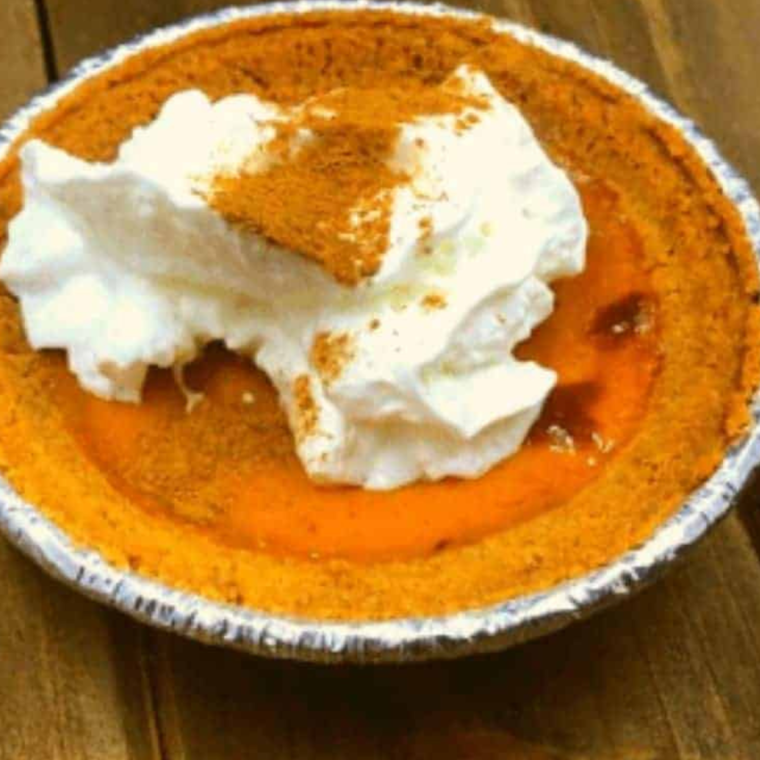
672	674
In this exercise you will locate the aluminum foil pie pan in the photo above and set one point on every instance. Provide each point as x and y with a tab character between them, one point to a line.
401	640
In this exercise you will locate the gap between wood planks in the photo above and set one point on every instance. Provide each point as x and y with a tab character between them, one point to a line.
48	50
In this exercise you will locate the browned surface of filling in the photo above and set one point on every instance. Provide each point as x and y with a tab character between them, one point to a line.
650	344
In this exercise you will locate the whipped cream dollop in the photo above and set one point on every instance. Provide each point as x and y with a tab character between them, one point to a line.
407	375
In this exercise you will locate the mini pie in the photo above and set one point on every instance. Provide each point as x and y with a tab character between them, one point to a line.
655	346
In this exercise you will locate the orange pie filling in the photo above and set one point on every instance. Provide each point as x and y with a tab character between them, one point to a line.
601	339
654	345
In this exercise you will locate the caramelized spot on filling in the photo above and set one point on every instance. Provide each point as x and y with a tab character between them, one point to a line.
630	314
569	409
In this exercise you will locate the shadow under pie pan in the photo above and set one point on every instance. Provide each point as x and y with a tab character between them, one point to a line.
411	638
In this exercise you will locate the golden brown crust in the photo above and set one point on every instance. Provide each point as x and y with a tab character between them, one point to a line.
702	268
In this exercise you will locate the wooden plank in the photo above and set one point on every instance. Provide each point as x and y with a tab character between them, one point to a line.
719	657
711	55
79	32
21	60
71	681
514	10
625	33
572	20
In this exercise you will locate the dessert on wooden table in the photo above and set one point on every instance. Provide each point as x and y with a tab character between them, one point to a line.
356	315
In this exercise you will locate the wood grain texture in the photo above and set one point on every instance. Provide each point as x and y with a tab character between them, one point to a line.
72	684
672	675
710	52
78	32
22	67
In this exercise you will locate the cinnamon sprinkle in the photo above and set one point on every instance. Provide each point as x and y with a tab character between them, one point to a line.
330	352
434	301
307	411
329	197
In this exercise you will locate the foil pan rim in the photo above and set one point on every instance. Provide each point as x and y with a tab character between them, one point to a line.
408	639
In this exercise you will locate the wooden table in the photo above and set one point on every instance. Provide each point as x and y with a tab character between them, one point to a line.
673	674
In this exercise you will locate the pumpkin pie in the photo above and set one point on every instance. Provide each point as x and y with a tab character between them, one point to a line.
654	344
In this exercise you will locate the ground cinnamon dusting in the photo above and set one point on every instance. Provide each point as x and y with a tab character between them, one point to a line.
434	301
331	199
330	352
307	411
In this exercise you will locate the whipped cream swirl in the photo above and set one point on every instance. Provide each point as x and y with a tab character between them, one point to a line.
407	375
